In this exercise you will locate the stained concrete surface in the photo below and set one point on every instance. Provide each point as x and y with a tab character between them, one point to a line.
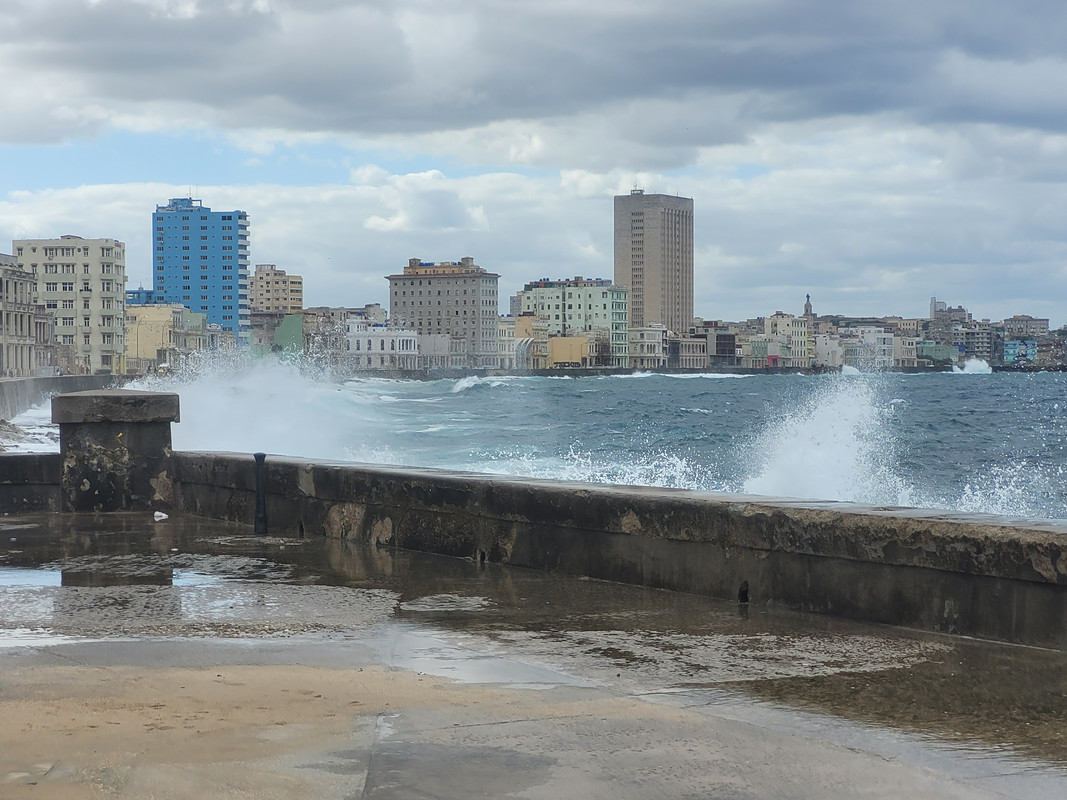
491	681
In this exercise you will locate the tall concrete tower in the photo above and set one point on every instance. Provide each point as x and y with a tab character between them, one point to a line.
654	258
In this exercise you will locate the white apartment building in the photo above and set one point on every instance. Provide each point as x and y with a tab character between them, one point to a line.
828	351
571	305
18	331
457	298
574	306
649	347
381	347
438	351
508	345
82	283
867	347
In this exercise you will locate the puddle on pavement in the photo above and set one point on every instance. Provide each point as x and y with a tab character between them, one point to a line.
69	578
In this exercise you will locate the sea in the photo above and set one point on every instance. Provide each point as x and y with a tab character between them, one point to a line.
970	440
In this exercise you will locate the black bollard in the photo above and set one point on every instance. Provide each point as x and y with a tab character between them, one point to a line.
260	523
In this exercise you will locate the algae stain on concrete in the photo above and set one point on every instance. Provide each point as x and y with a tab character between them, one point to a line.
343	519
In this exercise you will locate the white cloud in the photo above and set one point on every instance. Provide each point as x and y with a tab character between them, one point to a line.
871	154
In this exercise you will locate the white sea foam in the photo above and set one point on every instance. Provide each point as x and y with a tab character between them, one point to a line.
833	446
656	469
39	435
974	366
471	381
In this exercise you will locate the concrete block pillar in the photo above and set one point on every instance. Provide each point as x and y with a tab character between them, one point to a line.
116	449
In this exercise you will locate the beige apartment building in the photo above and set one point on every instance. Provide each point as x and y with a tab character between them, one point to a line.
82	284
457	298
654	258
798	332
273	290
1023	326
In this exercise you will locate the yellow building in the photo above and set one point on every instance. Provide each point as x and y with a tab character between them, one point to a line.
531	334
162	337
568	351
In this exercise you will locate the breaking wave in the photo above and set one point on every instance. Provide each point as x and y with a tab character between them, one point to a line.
998	445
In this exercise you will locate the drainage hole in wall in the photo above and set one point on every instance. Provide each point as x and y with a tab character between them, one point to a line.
742	593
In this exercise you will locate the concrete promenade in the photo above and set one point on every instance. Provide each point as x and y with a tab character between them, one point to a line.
187	659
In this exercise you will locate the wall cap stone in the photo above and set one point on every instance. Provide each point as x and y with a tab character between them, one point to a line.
116	406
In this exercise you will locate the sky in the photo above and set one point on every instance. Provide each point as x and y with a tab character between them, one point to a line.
871	154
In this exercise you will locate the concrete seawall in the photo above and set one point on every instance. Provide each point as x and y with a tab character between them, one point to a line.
19	394
974	575
961	574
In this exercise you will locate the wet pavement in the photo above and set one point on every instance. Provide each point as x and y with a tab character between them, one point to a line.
623	691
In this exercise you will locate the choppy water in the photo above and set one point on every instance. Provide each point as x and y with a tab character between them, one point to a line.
971	441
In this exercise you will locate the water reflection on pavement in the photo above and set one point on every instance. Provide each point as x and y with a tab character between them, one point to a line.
65	579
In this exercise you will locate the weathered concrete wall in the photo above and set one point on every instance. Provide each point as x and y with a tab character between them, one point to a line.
964	574
29	482
19	394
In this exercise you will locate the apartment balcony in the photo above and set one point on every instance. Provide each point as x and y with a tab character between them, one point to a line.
23	308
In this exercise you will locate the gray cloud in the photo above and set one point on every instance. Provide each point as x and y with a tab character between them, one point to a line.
412	68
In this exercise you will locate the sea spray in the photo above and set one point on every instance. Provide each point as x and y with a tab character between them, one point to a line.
973	366
836	444
263	405
995	444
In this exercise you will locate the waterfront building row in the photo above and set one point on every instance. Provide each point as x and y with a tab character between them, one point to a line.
65	308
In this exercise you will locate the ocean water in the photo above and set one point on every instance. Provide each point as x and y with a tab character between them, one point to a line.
967	441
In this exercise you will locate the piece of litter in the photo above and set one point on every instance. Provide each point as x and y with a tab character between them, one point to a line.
158	516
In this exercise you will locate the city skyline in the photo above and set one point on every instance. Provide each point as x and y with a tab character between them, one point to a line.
872	157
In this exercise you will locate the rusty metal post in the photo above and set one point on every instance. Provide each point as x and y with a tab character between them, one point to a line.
260	522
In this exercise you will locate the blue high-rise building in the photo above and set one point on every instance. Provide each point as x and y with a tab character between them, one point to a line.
201	261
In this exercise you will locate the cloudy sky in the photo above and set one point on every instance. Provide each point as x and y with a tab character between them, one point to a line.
872	154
